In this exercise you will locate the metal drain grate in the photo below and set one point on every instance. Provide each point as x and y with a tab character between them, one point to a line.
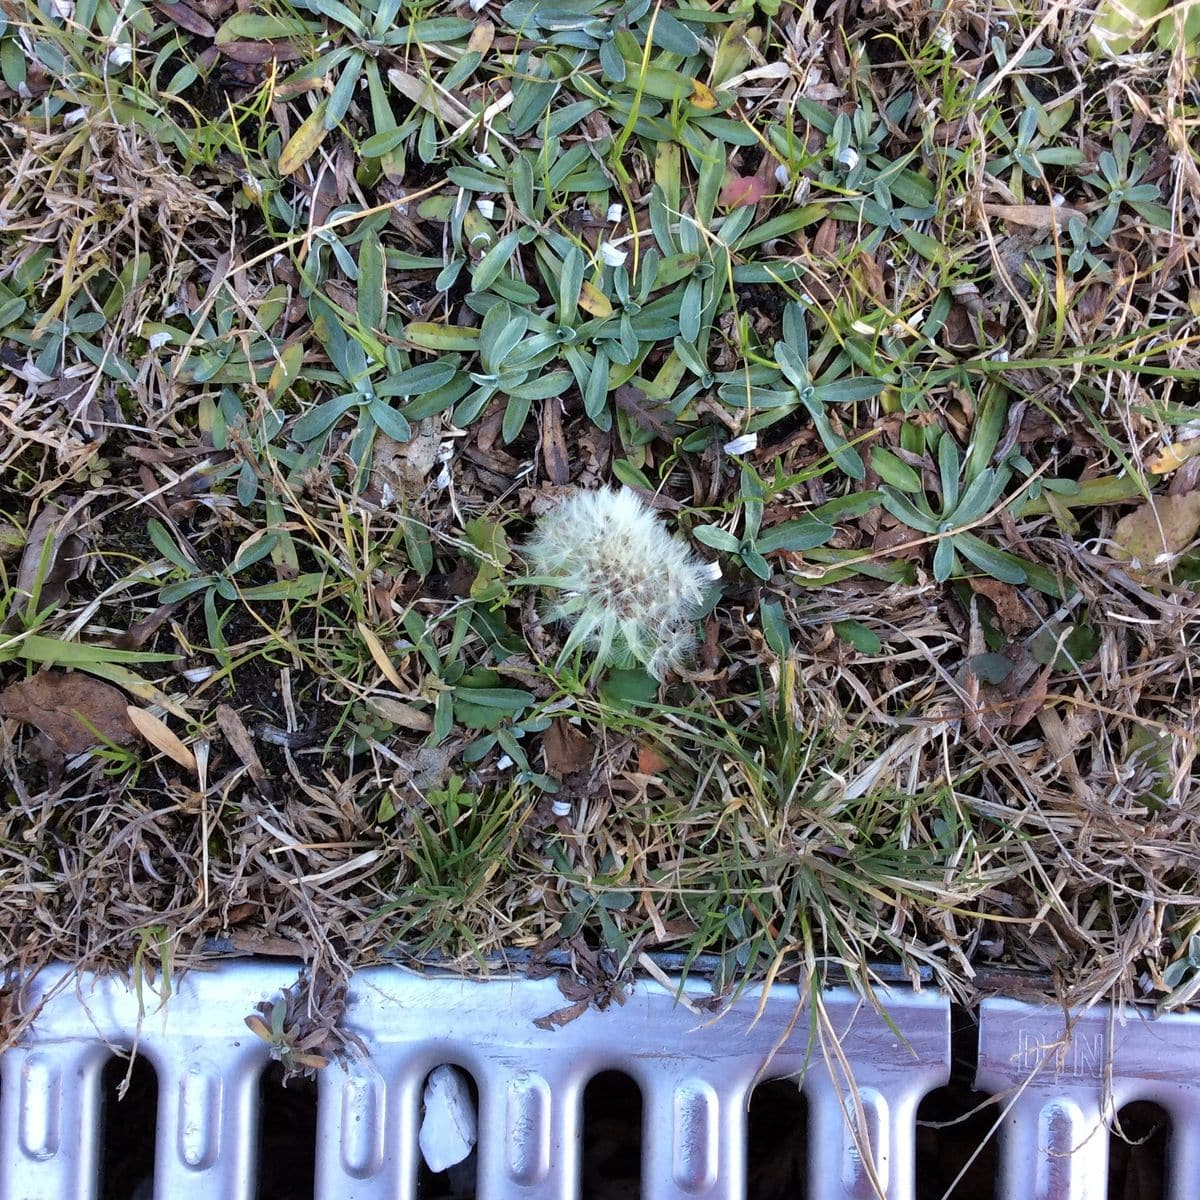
1064	1081
695	1074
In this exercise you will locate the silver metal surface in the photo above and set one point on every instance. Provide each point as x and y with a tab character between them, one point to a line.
695	1072
1061	1084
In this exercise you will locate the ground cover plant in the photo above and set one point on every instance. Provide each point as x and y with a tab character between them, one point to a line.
313	312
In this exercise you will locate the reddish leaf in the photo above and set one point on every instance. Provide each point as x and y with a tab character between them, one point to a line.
256	53
650	761
186	18
744	189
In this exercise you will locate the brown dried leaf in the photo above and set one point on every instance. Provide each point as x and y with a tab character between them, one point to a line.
52	557
1154	534
74	710
257	53
240	741
186	18
1033	700
1012	612
554	444
406	716
157	733
1036	216
482	37
404	465
380	655
566	747
650	761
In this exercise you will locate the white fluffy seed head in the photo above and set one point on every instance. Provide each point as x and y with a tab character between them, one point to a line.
630	588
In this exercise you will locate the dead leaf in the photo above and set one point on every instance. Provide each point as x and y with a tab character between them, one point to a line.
186	18
74	710
380	655
594	302
1033	699
258	53
407	716
567	749
554	444
240	741
482	37
1012	612
422	92
1171	458
51	559
302	145
156	732
650	761
702	96
404	465
136	636
1036	216
428	767
257	942
1156	533
649	414
744	189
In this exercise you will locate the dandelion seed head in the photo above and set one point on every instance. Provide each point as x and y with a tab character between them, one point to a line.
628	586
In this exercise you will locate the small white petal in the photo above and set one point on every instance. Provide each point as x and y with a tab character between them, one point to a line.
561	808
742	445
612	256
505	763
486	207
615	213
74	116
781	174
711	571
487	160
848	157
120	56
161	338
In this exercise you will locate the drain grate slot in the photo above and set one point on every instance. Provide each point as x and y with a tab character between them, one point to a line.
777	1142
1138	1147
957	1154
612	1136
287	1136
126	1153
448	1129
